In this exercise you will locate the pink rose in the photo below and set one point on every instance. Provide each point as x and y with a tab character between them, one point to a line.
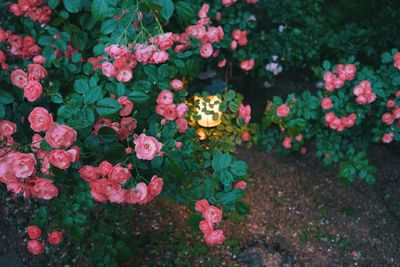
119	174
216	237
155	186
182	109
147	147
55	238
387	138
136	195
387	118
395	112
201	205
178	145
33	90
105	168
182	125
303	150
74	153
245	113
108	69
206	227
245	136
222	63
326	103
124	75
35	247
169	112
23	165
240	184
19	78
234	45
299	137
176	84
212	214
60	136
34	232
228	2
287	142
166	97
39	59
60	159
283	110
37	70
160	57
329	117
40	119
206	50
44	189
247	64
7	128
126	104
89	173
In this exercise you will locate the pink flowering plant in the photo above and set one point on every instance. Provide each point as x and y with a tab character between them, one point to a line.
95	119
356	107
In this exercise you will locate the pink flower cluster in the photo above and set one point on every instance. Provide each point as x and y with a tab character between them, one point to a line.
24	47
337	78
170	112
339	124
396	59
34	9
30	82
203	32
212	215
124	60
17	170
106	183
121	68
389	118
35	246
239	38
245	113
363	92
287	141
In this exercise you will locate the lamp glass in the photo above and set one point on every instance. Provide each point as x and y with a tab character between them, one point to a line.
207	120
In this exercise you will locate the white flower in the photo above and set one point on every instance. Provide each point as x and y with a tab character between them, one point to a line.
274	67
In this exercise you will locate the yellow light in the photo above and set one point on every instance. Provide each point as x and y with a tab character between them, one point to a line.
202	134
209	120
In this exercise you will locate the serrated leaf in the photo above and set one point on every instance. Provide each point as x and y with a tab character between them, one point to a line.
107	106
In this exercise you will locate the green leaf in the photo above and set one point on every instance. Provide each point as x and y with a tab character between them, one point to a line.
386	58
326	64
100	9
396	80
167	8
93	95
185	11
73	6
108	26
138	96
231	197
107	106
81	86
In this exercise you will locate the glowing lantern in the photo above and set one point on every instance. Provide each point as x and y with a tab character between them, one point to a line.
208	110
201	134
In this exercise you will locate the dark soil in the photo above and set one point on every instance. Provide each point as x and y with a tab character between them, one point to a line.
300	216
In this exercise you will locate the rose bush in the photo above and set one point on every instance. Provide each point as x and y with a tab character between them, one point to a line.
95	114
357	106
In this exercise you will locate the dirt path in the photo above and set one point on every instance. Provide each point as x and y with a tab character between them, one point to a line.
307	217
